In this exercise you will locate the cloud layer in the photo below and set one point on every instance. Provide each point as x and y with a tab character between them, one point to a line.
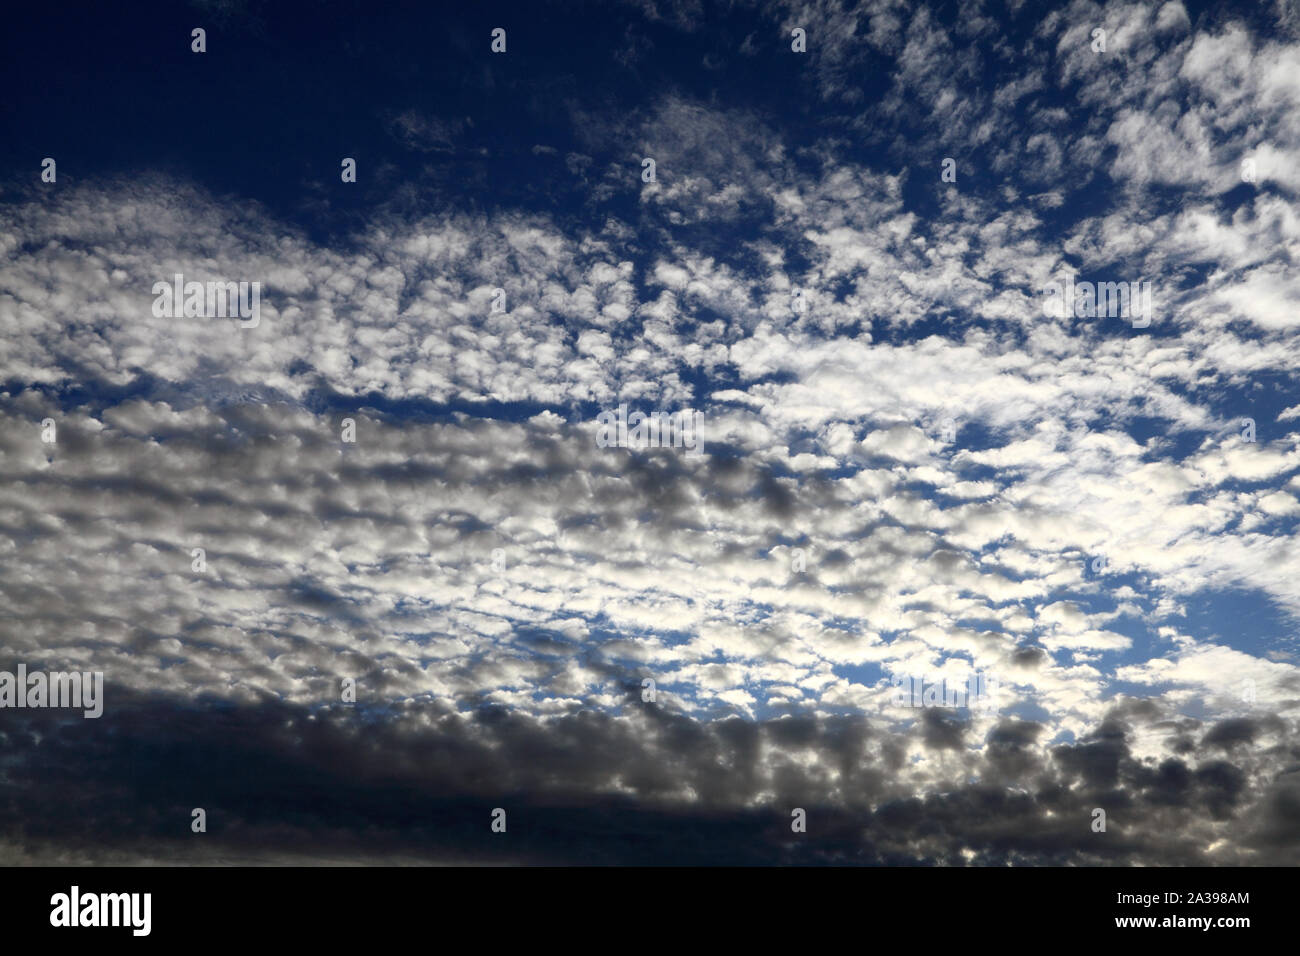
911	470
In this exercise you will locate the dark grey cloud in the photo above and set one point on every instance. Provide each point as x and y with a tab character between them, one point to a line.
417	783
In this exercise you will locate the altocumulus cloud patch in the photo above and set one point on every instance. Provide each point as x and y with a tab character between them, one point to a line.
364	533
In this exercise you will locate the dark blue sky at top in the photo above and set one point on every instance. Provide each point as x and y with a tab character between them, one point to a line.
281	95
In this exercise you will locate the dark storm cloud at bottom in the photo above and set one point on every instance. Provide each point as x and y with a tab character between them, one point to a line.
417	784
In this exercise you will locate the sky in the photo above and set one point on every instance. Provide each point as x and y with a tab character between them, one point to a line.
361	569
